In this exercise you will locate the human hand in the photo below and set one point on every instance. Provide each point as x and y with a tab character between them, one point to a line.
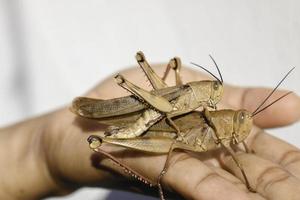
273	172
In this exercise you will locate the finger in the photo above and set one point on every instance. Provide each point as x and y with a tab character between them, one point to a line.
276	150
194	180
281	113
267	178
237	182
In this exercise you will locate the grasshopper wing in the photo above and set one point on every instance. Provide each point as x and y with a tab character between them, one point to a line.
99	108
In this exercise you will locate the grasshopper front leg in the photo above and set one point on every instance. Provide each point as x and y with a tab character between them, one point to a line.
208	119
239	165
226	145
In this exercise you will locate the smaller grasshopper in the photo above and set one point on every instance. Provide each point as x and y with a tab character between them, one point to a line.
204	131
162	102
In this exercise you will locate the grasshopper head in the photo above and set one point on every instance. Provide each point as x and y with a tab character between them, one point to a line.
216	93
207	92
242	124
215	88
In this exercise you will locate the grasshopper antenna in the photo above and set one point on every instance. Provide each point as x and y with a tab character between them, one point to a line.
272	91
217	68
253	114
208	72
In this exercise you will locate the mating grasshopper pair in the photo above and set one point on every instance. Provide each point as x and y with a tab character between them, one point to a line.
163	101
165	119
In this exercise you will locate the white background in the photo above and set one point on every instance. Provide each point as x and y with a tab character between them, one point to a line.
54	50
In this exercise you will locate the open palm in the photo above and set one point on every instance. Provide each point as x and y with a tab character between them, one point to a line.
273	171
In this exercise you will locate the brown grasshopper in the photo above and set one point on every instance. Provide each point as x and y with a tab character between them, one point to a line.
162	102
204	131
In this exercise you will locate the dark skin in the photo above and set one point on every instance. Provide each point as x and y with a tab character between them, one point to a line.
49	155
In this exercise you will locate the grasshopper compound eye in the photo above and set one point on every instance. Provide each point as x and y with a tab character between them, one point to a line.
94	141
242	117
216	85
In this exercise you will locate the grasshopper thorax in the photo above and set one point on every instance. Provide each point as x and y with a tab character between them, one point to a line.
242	125
231	126
207	92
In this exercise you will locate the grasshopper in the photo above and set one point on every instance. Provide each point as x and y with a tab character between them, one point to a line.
162	102
204	131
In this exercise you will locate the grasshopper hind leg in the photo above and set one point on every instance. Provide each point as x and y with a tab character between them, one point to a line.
158	102
137	128
175	64
155	80
95	142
